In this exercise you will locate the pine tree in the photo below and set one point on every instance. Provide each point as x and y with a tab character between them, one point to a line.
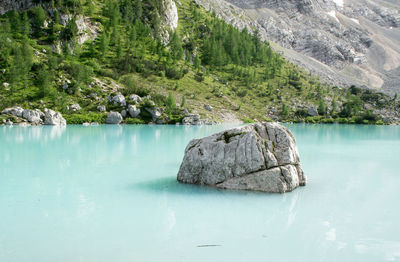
175	44
25	24
39	16
321	107
103	44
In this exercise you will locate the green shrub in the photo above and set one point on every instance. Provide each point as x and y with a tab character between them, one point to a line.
77	119
172	73
342	120
247	120
134	121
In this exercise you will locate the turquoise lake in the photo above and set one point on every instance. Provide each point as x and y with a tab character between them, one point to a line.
109	193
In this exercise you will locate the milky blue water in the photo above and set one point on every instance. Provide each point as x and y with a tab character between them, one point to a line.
108	193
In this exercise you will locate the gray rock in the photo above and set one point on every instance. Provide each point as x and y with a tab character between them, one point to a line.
339	34
135	98
312	111
101	108
15	111
53	118
185	112
7	5
191	119
208	107
155	112
33	116
114	118
261	157
6	84
123	113
118	99
9	123
133	111
75	107
169	19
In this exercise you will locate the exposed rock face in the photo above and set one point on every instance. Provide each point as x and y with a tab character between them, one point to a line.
7	5
15	111
75	107
170	12
53	118
118	99
169	19
260	157
114	118
135	98
101	108
194	119
33	116
133	111
312	111
345	42
155	112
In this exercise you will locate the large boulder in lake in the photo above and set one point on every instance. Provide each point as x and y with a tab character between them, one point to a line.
260	157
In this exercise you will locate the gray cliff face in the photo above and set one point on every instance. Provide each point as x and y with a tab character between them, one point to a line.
260	157
7	5
344	41
169	19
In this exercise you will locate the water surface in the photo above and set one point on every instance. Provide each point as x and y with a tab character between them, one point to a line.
109	193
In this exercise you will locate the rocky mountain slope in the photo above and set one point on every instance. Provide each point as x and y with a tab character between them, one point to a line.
167	62
344	41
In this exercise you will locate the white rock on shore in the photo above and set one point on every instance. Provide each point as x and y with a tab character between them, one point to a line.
260	157
53	118
35	116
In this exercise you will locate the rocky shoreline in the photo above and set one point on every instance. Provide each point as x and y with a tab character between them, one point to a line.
34	116
133	109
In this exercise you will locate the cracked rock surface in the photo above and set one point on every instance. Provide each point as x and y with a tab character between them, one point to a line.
259	157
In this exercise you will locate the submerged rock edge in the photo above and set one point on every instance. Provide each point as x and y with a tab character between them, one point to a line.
257	157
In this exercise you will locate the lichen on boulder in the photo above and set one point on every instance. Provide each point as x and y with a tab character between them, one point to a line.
259	157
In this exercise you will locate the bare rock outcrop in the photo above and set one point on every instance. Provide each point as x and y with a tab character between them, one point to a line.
344	42
53	118
114	118
36	116
259	157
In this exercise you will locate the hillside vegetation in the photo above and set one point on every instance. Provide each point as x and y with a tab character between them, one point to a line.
62	53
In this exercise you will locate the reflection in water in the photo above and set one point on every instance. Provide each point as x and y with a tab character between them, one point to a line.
388	250
21	134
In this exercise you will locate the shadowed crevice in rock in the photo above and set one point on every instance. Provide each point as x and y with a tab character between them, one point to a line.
260	157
